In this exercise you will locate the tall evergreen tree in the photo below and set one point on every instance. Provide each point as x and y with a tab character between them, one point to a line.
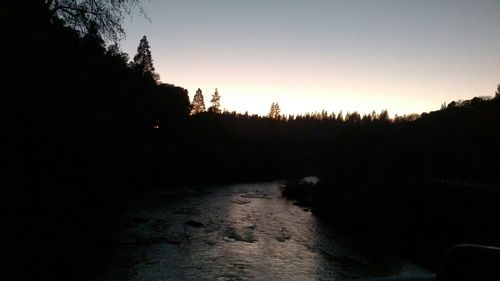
384	116
215	101
271	111
143	61
198	104
340	116
275	111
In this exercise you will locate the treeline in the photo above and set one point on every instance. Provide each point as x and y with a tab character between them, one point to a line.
198	106
417	187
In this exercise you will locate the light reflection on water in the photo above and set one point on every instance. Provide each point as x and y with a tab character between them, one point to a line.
249	232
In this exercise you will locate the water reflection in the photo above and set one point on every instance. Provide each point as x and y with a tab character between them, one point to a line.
267	237
238	232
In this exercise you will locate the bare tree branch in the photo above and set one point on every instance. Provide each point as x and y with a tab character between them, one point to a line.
106	15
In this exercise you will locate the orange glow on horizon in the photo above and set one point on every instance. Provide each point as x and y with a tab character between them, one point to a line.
258	100
325	55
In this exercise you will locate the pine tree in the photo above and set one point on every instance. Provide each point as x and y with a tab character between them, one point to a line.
384	116
340	116
271	111
198	104
275	111
443	106
143	61
215	101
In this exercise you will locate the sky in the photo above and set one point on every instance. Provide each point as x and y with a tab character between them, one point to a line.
406	56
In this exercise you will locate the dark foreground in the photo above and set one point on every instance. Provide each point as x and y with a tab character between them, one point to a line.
417	219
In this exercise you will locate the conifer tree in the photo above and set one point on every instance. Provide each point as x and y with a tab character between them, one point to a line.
384	116
271	111
198	104
275	111
143	61
215	101
340	116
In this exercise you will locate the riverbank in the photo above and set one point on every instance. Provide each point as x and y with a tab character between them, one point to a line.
416	219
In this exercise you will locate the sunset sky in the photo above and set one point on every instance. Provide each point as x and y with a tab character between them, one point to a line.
407	56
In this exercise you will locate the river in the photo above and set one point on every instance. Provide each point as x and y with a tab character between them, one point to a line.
236	232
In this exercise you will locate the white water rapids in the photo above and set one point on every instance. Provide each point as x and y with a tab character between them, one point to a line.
237	232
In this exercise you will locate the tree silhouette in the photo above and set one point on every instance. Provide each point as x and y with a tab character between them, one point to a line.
271	111
215	101
384	116
81	14
275	111
92	39
198	104
143	61
497	93
115	52
340	116
443	106
353	117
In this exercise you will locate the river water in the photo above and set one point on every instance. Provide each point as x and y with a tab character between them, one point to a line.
236	232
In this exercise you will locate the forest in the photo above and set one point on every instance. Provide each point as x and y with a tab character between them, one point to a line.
85	128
